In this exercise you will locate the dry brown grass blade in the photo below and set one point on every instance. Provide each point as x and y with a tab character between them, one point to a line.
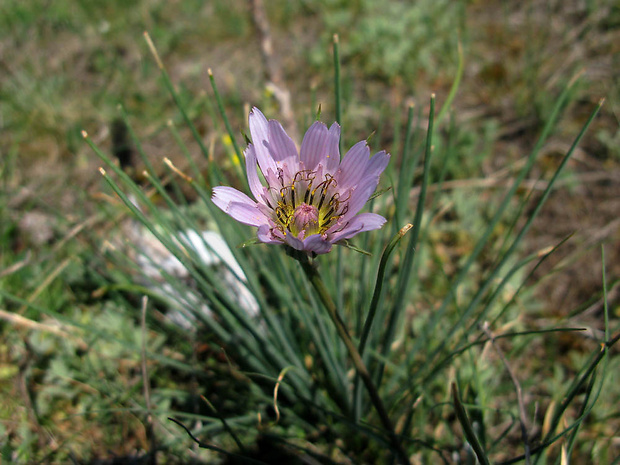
28	324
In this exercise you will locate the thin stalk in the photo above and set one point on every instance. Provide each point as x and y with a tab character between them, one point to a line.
170	87
220	105
374	304
404	182
190	160
319	286
405	272
455	84
522	233
468	429
482	242
337	84
338	111
136	140
379	285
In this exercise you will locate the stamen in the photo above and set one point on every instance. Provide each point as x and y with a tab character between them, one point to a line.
292	214
280	216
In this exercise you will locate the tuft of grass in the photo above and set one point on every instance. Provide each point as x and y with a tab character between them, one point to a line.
83	375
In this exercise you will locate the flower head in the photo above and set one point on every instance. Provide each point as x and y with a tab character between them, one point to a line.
312	199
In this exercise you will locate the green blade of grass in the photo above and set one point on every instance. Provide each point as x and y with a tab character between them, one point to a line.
136	140
239	162
337	82
405	272
404	182
380	281
439	314
575	389
215	176
190	160
468	429
338	113
455	84
222	303
379	286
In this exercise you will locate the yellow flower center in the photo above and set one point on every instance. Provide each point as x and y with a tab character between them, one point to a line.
305	205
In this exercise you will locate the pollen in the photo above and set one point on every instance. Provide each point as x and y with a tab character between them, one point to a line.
307	206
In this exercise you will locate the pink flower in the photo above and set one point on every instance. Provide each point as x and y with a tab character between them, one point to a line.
311	200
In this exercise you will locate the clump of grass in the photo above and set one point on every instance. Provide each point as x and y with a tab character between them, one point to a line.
418	345
454	387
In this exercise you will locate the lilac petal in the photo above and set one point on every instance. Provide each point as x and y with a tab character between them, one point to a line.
353	166
250	166
378	163
314	146
290	166
317	244
293	241
264	235
238	205
223	196
360	196
333	148
360	223
272	179
246	214
280	144
259	129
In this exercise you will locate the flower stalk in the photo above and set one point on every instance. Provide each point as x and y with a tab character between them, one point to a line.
311	271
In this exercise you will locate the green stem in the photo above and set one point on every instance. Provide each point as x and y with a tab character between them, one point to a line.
319	286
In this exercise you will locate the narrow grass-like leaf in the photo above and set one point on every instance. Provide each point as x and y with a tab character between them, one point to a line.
437	367
602	355
379	193
605	302
495	271
468	429
575	389
337	82
317	283
203	445
233	138
346	244
190	160
224	424
405	272
338	113
439	314
215	175
222	303
380	281
136	140
527	278
404	182
379	286
455	84
583	411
